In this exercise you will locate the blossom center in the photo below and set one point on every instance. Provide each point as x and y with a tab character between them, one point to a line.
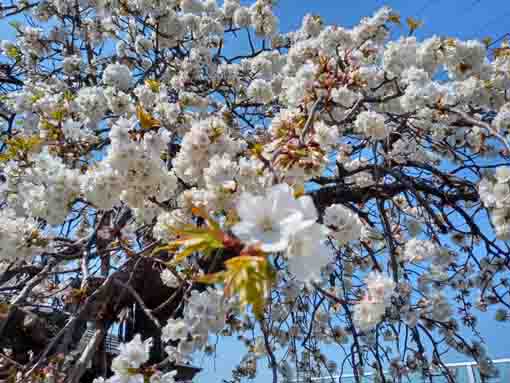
266	224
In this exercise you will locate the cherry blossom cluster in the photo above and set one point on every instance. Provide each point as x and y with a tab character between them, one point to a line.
128	366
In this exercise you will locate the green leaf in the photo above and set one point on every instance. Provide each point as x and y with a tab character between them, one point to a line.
13	53
413	24
394	18
192	239
249	276
18	147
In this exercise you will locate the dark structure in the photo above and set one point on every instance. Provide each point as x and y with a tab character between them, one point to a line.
107	304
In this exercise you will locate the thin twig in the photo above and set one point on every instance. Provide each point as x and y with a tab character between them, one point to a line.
140	301
309	121
81	365
69	326
21	297
467	118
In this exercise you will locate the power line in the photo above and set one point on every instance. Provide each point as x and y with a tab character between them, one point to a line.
501	38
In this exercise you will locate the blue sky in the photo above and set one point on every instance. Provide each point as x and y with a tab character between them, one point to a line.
461	18
464	19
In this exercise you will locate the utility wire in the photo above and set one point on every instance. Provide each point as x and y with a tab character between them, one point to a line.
501	38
